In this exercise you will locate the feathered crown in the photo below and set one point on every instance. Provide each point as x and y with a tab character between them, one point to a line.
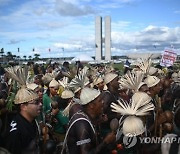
109	69
145	64
64	82
20	74
139	105
47	78
132	80
80	80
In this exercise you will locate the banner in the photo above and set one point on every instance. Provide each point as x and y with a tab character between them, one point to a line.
168	57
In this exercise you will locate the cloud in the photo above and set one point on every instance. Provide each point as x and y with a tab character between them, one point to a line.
70	9
116	3
145	39
5	2
13	41
177	12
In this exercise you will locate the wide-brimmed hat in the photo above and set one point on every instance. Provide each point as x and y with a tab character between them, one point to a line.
87	95
109	77
151	81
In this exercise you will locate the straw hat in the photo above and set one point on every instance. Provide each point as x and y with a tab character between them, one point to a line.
98	80
24	94
109	77
133	126
53	83
140	85
32	86
47	78
151	81
87	95
67	94
153	70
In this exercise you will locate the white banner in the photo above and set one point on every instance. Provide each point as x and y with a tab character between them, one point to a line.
168	57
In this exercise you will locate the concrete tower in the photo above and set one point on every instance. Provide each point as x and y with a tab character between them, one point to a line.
107	38
98	38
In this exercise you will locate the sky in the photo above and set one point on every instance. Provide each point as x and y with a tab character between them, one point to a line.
67	27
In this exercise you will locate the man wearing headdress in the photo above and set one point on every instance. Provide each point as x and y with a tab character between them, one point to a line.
154	86
81	135
110	95
23	132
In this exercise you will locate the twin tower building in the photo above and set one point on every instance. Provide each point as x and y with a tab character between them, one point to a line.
103	41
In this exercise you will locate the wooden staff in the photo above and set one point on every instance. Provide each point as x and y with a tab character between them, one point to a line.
160	127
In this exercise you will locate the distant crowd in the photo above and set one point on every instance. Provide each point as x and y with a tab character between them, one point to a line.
79	109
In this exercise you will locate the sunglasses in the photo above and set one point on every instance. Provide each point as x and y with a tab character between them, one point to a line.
35	102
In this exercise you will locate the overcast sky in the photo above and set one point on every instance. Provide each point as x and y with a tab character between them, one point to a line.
67	27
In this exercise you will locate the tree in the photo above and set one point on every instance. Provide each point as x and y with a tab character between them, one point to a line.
36	56
2	52
9	56
30	57
24	57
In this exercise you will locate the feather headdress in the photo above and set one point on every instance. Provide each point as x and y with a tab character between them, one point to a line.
144	65
47	78
64	82
80	80
66	94
131	80
140	105
24	94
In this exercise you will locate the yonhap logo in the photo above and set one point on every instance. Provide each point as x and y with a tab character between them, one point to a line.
129	141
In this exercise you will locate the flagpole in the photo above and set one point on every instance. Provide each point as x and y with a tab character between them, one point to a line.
19	56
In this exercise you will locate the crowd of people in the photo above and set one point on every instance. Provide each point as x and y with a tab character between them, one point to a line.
53	109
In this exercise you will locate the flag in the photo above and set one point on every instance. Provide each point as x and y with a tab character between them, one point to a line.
18	49
49	50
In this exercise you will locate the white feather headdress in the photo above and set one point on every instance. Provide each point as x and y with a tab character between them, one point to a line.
66	94
145	64
131	80
18	73
24	94
139	105
80	80
64	82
